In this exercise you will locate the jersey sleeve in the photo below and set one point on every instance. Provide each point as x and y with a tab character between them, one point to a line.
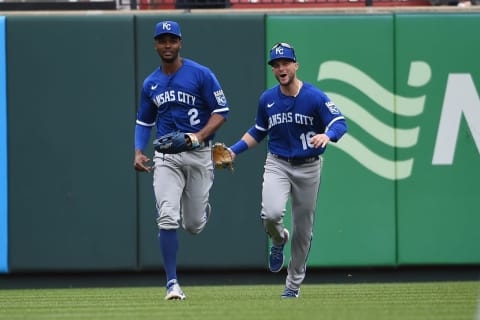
257	134
215	97
336	125
145	121
142	135
260	130
147	111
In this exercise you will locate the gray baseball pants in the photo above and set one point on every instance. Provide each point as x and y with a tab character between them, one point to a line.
300	183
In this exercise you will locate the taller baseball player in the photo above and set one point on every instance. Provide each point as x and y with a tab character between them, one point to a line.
300	121
180	95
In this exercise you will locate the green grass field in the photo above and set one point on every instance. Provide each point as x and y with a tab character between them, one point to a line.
422	301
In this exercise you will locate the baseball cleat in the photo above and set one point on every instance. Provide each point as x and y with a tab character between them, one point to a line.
174	292
277	258
289	293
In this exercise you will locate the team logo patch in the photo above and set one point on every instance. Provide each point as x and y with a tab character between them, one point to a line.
332	107
221	99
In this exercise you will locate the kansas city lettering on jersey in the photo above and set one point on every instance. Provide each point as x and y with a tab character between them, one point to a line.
170	95
289	117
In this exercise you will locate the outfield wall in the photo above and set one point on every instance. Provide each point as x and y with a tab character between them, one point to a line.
400	189
403	186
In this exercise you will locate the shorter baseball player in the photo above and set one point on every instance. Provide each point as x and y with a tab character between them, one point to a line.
300	120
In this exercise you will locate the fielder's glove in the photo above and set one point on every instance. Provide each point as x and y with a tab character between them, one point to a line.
176	142
222	158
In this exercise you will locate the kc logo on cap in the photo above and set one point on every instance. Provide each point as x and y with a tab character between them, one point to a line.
166	25
279	50
282	50
170	27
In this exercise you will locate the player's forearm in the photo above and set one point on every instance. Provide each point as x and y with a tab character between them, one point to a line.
245	143
249	140
213	124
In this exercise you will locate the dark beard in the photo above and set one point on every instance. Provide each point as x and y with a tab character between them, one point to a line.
169	60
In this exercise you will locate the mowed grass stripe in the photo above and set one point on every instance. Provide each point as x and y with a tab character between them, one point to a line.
436	300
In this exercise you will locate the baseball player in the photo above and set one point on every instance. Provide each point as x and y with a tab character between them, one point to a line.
300	120
180	95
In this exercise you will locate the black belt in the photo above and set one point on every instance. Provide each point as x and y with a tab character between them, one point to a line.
204	144
297	161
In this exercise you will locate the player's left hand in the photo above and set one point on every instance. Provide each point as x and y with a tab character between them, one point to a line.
176	142
320	140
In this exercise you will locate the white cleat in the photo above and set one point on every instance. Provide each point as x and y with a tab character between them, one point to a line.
174	292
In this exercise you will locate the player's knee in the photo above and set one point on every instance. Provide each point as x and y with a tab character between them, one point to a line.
193	229
195	224
272	216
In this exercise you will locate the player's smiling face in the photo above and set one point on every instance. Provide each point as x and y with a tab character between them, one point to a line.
284	71
168	46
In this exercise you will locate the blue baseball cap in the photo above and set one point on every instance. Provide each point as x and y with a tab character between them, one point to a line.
165	27
282	50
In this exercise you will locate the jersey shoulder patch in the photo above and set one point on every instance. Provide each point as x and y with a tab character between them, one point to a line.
332	107
220	97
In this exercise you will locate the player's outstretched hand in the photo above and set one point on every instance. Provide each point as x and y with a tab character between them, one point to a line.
232	154
320	140
139	162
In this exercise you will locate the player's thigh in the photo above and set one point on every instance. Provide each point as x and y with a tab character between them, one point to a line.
199	181
305	186
275	189
168	183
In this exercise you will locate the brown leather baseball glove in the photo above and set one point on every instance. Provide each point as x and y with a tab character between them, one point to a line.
222	158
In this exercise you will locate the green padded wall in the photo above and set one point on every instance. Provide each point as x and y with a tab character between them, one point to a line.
439	205
400	188
72	199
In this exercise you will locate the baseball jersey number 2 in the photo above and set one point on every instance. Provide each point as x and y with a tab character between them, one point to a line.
305	138
193	114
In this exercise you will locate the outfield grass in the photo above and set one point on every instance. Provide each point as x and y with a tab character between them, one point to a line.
392	301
